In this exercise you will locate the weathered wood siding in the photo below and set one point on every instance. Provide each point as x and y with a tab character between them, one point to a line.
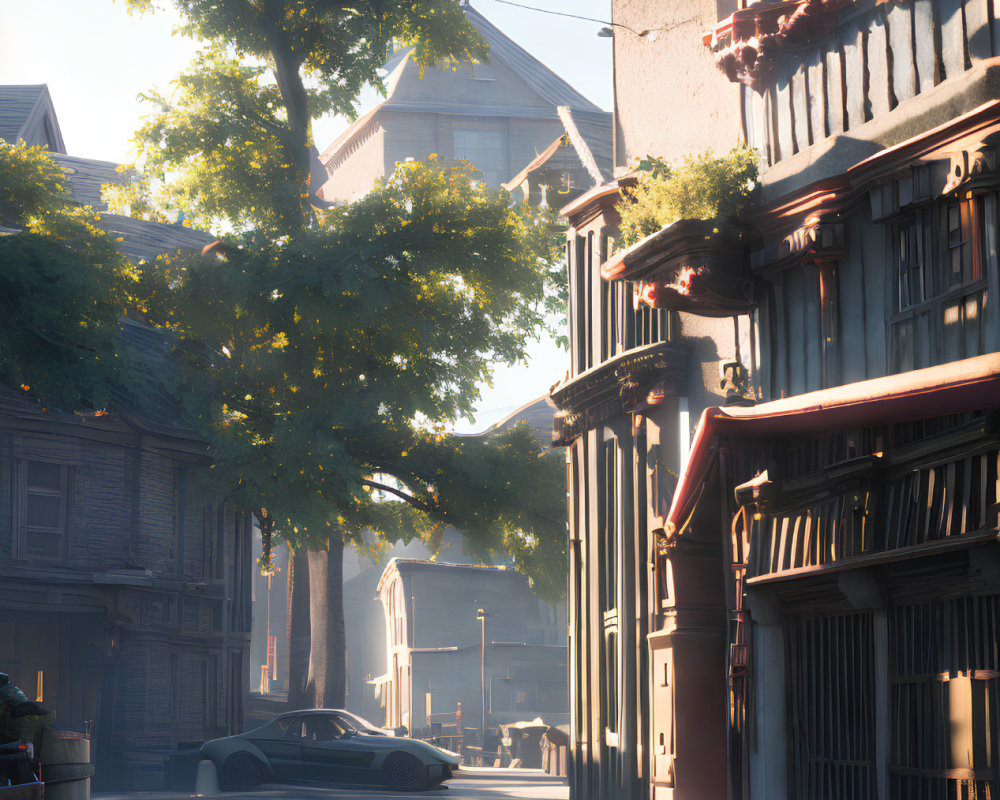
165	579
101	508
879	56
158	513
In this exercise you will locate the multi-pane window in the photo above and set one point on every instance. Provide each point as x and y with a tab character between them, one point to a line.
911	235
42	499
484	149
940	288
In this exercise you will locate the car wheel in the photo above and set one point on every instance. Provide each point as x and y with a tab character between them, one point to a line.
404	772
241	771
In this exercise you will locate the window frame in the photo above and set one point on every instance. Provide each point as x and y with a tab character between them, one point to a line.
934	248
23	491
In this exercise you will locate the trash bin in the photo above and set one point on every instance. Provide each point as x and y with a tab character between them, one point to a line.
64	763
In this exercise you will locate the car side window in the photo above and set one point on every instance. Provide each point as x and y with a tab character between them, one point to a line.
296	729
323	729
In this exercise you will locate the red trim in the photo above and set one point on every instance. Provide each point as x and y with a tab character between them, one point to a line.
966	130
969	385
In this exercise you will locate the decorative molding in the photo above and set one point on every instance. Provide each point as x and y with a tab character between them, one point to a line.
631	381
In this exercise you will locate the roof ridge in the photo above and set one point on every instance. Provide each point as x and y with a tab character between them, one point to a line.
561	92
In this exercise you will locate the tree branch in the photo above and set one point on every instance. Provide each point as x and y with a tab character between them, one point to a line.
418	504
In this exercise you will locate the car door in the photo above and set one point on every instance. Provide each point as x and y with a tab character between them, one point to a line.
333	751
282	742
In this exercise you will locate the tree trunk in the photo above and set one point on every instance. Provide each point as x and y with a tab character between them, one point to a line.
326	686
298	628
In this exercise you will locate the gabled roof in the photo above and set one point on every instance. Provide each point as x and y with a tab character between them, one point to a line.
544	82
26	112
530	69
589	134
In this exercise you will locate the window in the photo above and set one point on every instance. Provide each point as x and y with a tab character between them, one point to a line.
484	149
483	72
943	684
42	500
939	284
831	667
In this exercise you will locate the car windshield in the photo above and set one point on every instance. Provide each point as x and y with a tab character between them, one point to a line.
357	723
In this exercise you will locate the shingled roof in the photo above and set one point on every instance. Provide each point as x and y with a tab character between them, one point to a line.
588	134
534	72
27	113
86	176
548	86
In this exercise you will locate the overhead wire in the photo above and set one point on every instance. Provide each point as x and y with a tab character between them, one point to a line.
554	13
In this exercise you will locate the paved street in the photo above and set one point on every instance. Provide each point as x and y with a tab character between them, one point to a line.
469	784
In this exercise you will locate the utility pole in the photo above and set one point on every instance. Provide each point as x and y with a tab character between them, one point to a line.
481	616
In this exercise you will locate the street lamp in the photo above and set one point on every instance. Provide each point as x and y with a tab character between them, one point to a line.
481	616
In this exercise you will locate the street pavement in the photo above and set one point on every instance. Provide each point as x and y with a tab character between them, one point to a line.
467	784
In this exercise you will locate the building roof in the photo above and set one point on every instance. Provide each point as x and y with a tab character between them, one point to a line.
143	239
589	136
403	566
543	80
549	86
537	414
972	384
26	112
86	176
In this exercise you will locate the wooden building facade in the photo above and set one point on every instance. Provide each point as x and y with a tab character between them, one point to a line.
808	609
124	591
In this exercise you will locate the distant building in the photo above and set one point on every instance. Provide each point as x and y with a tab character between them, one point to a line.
499	116
434	646
124	603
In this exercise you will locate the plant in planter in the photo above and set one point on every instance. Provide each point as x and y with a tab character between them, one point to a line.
700	187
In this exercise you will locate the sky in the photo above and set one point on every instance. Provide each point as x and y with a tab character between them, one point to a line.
97	60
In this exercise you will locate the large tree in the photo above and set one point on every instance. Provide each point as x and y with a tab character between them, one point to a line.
343	340
63	288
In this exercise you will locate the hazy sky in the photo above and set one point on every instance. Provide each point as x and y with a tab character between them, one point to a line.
97	59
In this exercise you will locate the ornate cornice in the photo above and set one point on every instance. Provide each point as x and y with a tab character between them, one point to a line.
629	382
693	265
748	43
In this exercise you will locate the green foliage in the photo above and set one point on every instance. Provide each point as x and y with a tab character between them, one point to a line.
63	288
344	339
234	138
221	142
340	354
700	187
339	45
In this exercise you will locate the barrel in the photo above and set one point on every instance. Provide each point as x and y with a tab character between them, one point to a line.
64	763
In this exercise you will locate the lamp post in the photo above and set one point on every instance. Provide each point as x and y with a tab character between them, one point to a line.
481	616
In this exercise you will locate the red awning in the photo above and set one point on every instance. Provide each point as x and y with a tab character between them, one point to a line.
961	386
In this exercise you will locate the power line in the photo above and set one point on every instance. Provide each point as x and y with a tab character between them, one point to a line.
555	13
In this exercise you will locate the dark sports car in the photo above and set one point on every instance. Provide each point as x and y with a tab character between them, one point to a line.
331	745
